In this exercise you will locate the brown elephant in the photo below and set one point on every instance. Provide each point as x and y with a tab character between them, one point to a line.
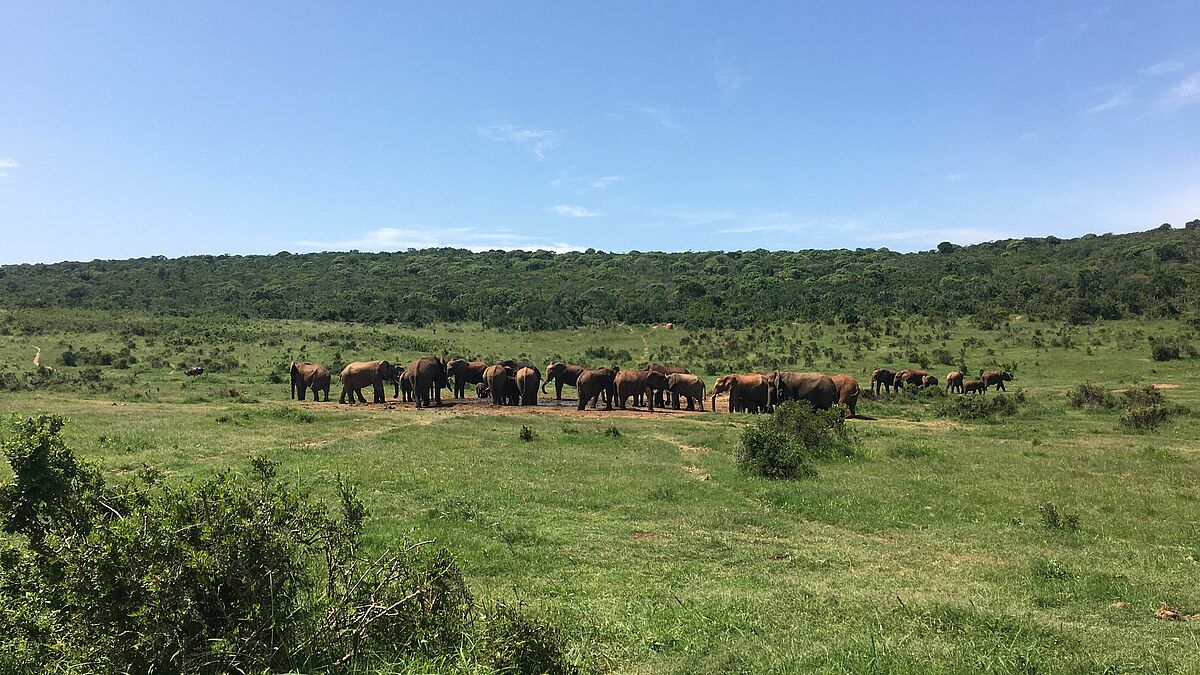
306	376
481	390
190	372
928	381
909	376
974	387
359	374
464	372
561	374
639	382
847	392
660	394
882	378
427	375
406	388
595	383
748	392
954	381
688	386
816	388
995	378
527	384
496	379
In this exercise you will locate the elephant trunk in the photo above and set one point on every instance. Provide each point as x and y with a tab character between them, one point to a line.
544	384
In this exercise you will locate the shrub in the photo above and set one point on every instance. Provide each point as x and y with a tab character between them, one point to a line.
1136	397
521	644
784	445
979	407
612	431
526	434
1143	418
1056	520
1164	349
1086	394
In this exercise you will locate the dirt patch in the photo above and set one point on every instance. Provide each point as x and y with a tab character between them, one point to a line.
1166	386
697	473
640	535
313	444
478	406
1168	613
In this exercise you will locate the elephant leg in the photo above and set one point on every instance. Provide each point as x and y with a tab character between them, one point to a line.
558	385
358	393
300	392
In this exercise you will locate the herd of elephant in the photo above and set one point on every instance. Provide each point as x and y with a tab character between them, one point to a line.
511	382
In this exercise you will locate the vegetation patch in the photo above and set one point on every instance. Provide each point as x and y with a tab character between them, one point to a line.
1055	519
972	407
785	445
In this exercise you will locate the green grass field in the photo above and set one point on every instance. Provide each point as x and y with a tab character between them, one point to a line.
650	549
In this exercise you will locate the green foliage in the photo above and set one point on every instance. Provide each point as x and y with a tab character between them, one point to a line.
526	434
973	407
783	446
1054	519
1145	417
1170	348
519	643
231	574
1088	395
1093	277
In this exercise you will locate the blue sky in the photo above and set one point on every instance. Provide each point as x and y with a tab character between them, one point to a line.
136	129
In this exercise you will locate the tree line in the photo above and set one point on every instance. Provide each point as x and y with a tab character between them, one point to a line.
1151	274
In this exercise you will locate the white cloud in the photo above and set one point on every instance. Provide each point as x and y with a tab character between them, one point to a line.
8	164
1119	99
1161	68
1185	92
775	228
957	235
661	116
537	140
604	182
572	211
1030	135
955	177
471	238
568	179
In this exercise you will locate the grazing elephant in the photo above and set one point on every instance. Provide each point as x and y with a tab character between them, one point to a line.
527	384
882	378
496	379
637	382
688	386
427	375
847	391
907	377
359	374
974	387
307	376
595	383
464	373
816	388
749	392
561	374
660	395
929	381
954	381
995	377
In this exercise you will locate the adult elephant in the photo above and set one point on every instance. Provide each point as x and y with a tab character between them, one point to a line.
496	378
748	392
360	374
909	376
954	381
595	383
995	378
561	374
636	382
816	388
847	391
660	396
427	375
527	384
688	386
464	372
307	376
882	378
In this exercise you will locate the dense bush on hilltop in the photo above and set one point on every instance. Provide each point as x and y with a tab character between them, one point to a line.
1149	273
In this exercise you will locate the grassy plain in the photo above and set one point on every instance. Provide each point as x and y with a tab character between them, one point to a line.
651	550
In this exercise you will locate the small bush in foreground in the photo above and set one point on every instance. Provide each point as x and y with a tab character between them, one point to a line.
785	444
1054	519
1138	397
526	434
1143	418
1088	395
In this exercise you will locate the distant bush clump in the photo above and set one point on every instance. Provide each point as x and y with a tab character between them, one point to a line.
1146	417
980	407
1170	348
1088	395
231	574
1054	519
784	446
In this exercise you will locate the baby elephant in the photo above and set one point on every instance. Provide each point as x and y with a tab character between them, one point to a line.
974	387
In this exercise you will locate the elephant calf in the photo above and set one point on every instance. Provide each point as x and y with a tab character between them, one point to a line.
974	387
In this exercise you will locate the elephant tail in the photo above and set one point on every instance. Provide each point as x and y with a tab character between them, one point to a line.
544	386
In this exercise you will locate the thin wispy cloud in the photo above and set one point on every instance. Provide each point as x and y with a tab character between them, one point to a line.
537	140
1118	99
955	177
6	164
1184	92
568	179
573	211
661	116
471	238
605	182
729	74
957	235
1030	135
1161	68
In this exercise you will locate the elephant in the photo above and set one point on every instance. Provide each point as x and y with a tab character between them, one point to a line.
882	378
406	388
688	386
496	378
660	396
193	372
561	374
427	375
928	381
464	373
954	381
359	374
974	387
995	377
909	376
527	384
481	390
816	388
307	376
595	383
512	393
847	391
635	382
748	392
